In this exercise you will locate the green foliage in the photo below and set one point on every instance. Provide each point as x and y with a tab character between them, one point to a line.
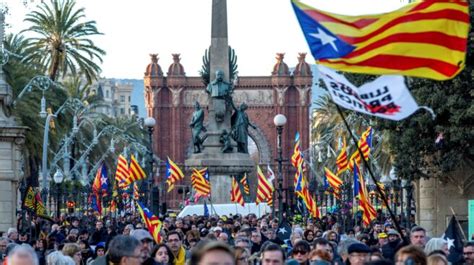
61	44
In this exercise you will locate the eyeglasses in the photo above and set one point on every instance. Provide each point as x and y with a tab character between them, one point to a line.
302	252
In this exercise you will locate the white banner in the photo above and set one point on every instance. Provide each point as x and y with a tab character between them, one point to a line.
386	97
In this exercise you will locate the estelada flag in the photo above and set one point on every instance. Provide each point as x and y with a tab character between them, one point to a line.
426	39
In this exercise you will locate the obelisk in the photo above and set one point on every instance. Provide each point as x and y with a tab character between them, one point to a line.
222	166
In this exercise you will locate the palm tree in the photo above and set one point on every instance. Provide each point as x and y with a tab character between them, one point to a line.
62	45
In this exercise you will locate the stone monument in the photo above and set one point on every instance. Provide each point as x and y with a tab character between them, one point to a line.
218	153
12	137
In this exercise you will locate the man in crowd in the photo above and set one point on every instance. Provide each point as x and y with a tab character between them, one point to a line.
468	253
175	243
272	254
146	241
123	250
418	236
256	238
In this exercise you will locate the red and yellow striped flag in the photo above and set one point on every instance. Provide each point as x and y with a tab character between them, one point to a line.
334	181
264	188
121	174
342	161
173	174
236	194
136	191
360	190
199	183
152	222
425	39
135	172
245	184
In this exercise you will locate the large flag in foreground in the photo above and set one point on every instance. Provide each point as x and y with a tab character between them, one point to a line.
454	238
152	222
386	97
425	39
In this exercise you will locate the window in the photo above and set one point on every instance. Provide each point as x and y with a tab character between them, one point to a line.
122	98
106	93
129	98
122	111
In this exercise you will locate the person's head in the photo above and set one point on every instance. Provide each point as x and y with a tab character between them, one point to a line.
418	236
437	259
127	230
437	243
332	236
212	252
57	257
243	243
219	75
162	254
382	239
241	256
295	237
272	254
392	235
99	225
146	241
223	237
125	250
12	234
244	107
318	255
256	237
174	241
300	251
309	235
358	253
468	253
323	245
343	247
22	255
410	252
3	244
74	251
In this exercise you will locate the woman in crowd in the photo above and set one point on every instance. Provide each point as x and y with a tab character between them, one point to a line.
242	256
300	252
309	235
162	255
412	254
437	259
437	244
73	250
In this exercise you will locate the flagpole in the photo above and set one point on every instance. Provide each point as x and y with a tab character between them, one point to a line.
372	176
459	225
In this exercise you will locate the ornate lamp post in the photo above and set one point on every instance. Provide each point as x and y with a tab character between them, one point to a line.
58	178
280	121
149	123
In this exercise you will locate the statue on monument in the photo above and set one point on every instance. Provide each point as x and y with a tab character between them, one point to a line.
226	142
240	123
220	92
197	127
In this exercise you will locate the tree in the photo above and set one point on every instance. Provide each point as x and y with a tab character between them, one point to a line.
62	45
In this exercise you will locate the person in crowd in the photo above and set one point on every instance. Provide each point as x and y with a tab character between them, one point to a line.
212	252
468	253
243	243
74	251
99	251
418	236
358	254
393	244
174	241
162	255
40	249
146	241
99	234
272	254
122	250
300	252
410	254
437	259
127	230
308	236
343	250
57	257
323	245
256	238
320	257
437	243
12	234
242	256
223	237
22	255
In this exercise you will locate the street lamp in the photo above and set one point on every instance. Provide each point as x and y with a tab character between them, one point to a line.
58	178
150	123
280	121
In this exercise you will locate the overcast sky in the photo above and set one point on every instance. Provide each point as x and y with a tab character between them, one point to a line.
257	30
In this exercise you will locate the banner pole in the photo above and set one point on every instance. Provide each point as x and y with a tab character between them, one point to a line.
372	176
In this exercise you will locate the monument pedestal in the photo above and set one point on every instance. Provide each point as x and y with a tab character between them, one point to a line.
222	167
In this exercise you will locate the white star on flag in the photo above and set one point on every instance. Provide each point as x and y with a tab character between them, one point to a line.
325	38
282	230
450	242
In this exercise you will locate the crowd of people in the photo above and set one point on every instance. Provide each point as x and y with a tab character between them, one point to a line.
217	240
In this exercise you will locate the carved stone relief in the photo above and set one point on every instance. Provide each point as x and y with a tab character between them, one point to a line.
281	95
250	97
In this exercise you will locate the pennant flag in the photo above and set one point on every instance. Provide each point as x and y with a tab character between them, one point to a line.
264	188
284	231
152	222
245	184
297	157
206	210
173	174
453	236
334	181
135	171
200	183
386	97
101	183
368	212
33	203
342	161
136	192
96	204
407	41
121	174
236	194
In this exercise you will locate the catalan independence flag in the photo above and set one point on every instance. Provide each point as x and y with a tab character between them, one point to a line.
173	174
135	171
297	157
368	212
264	188
236	194
200	183
245	184
121	174
152	222
334	181
426	39
342	160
